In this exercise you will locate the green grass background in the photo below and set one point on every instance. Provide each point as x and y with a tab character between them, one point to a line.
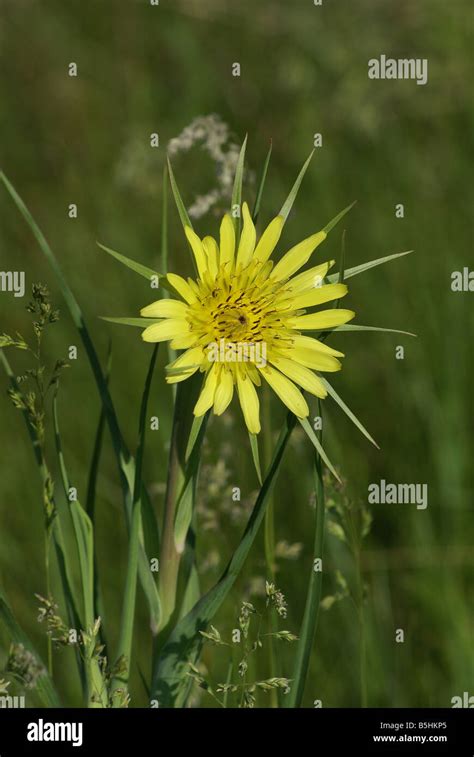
146	69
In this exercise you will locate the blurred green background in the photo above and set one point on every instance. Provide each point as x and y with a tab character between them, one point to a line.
85	140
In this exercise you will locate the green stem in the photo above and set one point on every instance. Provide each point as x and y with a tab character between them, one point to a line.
269	535
313	597
170	558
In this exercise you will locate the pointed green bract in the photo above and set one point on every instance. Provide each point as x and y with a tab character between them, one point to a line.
338	218
141	323
237	189
142	270
258	199
356	327
367	266
288	204
319	447
348	411
183	213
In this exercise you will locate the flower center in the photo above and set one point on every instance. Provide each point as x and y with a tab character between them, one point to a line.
236	321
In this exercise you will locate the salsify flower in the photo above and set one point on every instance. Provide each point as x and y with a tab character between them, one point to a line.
242	300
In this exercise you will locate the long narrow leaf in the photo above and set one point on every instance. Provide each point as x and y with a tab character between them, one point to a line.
169	684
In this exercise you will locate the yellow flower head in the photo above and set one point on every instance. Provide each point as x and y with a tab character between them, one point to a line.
243	317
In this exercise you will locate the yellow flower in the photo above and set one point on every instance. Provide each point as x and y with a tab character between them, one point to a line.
242	319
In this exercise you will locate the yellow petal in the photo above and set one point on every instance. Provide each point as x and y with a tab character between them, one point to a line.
313	277
183	341
185	365
212	252
165	309
224	392
182	287
326	319
289	394
249	402
300	375
227	240
309	343
318	361
198	250
206	398
247	240
318	296
192	358
269	239
297	256
171	328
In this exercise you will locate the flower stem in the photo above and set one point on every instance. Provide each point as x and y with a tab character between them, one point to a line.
313	597
269	536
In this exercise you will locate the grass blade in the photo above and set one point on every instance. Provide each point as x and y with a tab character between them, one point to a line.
258	199
170	681
125	463
58	539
